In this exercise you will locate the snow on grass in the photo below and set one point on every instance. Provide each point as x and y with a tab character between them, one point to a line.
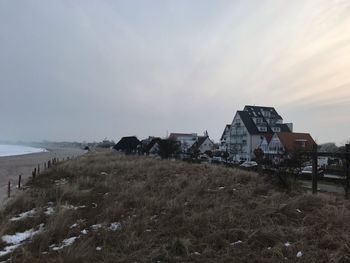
98	248
299	254
7	250
16	240
115	226
19	237
96	226
287	244
65	243
84	232
72	207
23	215
237	242
49	211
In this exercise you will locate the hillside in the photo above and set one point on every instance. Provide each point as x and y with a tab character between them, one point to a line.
105	207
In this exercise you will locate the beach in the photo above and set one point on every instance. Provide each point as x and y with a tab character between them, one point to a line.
12	166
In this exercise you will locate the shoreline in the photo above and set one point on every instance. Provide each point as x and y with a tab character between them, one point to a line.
13	166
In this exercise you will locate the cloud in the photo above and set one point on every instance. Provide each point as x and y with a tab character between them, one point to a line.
112	68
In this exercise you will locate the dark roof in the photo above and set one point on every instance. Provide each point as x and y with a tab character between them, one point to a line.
228	126
256	111
248	122
128	143
284	127
291	141
198	143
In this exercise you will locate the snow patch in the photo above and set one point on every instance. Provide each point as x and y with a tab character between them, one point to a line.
287	244
23	215
65	243
115	226
299	254
96	227
49	211
18	239
236	243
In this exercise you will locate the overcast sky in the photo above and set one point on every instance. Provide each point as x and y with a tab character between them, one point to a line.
86	70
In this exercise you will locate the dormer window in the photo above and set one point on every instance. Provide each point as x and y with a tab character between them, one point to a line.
276	129
258	120
262	129
266	114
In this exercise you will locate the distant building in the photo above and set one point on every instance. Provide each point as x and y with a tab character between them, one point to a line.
250	129
152	147
129	144
186	140
202	145
225	138
287	143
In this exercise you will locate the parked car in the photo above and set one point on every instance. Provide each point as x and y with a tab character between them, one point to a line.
307	172
249	164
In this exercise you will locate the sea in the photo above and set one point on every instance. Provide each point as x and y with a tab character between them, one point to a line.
12	150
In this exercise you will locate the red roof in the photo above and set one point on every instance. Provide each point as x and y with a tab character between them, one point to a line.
296	141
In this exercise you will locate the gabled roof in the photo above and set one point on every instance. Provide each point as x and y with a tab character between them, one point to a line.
149	146
284	127
256	111
128	143
227	127
268	137
248	122
292	141
198	143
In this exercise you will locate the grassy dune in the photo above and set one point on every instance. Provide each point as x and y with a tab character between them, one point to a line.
104	207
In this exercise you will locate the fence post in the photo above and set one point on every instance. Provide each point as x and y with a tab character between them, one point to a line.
9	189
19	181
347	163
34	173
314	169
38	169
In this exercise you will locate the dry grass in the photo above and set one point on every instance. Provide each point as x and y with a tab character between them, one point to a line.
175	212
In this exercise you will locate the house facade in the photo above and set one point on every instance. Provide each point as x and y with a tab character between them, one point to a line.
202	145
250	128
286	143
225	138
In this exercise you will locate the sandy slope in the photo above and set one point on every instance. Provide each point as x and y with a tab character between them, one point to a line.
12	166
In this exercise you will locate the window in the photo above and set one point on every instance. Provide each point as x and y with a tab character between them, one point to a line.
262	129
276	129
258	120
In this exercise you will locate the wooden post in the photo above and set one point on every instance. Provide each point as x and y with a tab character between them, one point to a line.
38	169
48	164
9	189
347	163
34	173
314	169
19	181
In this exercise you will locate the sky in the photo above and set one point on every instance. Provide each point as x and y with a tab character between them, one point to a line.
88	70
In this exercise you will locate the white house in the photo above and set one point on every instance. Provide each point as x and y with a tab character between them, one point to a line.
250	129
202	145
185	139
225	138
